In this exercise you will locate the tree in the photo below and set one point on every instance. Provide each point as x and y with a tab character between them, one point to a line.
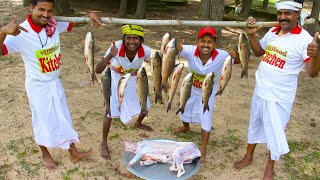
123	8
265	4
246	5
141	9
62	7
312	29
217	12
204	11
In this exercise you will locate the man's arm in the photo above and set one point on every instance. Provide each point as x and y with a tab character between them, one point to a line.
103	64
254	43
12	28
94	19
313	65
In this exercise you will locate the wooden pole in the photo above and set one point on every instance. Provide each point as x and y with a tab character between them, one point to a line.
147	22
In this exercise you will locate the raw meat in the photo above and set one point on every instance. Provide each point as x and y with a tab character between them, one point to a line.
165	151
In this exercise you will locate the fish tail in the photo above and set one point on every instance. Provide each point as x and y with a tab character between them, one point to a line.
205	107
158	98
169	107
180	110
218	93
164	87
244	73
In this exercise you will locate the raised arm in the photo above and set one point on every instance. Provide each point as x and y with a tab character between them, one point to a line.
103	64
12	29
254	43
313	65
94	19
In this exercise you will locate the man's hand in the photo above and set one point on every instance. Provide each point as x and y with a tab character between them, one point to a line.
252	30
12	28
179	46
313	47
95	19
234	54
113	50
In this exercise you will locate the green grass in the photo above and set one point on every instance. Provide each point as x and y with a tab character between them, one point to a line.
114	136
22	149
303	160
189	136
232	139
69	173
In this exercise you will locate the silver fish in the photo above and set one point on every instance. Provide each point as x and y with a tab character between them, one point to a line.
244	53
142	89
225	75
174	83
156	63
165	40
168	63
185	92
89	55
106	89
207	87
122	86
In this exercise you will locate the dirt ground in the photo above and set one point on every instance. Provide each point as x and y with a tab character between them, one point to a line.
20	157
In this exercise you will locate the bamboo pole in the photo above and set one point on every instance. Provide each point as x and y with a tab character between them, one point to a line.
148	22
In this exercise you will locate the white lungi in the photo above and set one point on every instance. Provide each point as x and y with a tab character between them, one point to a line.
193	111
268	120
130	107
51	120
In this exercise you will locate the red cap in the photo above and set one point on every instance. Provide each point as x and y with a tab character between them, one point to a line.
207	30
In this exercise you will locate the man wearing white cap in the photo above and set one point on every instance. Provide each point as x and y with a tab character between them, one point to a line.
284	51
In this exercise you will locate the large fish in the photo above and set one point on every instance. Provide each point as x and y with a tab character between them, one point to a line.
142	89
89	55
168	63
174	83
156	76
244	53
106	89
165	40
121	87
225	75
185	92
207	87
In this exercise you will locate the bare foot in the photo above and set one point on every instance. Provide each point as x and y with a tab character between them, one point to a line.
181	129
79	155
143	127
105	151
268	173
244	162
49	163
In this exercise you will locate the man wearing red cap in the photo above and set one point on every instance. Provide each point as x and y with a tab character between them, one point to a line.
203	59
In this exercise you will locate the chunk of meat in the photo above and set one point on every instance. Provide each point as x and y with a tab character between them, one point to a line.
165	151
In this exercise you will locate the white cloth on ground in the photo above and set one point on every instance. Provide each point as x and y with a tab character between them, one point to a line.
51	120
268	120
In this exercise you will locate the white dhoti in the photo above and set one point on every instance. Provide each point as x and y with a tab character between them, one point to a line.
268	120
51	120
130	107
193	111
